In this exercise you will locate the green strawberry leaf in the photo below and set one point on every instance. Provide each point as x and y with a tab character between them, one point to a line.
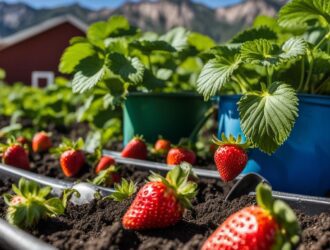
288	220
177	37
67	194
262	32
54	205
261	52
321	62
293	48
147	47
78	39
150	81
267	118
200	42
119	45
118	26
177	179
116	92
216	73
123	191
298	13
130	69
90	71
44	192
104	176
16	190
221	50
98	31
73	55
7	198
264	197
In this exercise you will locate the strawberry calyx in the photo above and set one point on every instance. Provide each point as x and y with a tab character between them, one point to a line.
139	138
67	145
231	141
11	141
30	203
123	191
104	175
177	179
289	230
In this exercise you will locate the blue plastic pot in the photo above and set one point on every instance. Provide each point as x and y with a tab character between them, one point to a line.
302	164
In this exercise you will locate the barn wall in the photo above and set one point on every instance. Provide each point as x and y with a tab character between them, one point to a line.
41	52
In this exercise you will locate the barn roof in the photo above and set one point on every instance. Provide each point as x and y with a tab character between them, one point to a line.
40	28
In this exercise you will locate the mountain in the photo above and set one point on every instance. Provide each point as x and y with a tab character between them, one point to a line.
159	16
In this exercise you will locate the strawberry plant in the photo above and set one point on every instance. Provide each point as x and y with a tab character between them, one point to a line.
269	67
123	191
30	203
115	58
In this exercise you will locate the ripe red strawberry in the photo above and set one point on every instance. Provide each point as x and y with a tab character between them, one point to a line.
41	142
262	227
72	158
162	146
136	149
160	203
72	161
104	163
230	157
177	155
15	155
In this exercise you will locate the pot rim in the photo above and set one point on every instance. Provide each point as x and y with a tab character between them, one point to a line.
164	95
305	98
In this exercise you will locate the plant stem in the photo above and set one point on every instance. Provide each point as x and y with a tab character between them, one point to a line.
149	64
244	81
302	74
327	36
240	84
269	74
311	67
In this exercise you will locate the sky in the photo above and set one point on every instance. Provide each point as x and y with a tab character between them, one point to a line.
96	4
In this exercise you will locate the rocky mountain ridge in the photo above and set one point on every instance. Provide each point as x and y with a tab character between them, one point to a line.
220	23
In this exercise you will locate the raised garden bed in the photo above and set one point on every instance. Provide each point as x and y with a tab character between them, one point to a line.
97	225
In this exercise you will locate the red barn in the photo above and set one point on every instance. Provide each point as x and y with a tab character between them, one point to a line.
32	56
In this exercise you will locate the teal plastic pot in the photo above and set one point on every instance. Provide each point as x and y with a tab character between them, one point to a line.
302	164
171	115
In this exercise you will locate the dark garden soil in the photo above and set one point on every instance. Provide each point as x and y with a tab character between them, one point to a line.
97	225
